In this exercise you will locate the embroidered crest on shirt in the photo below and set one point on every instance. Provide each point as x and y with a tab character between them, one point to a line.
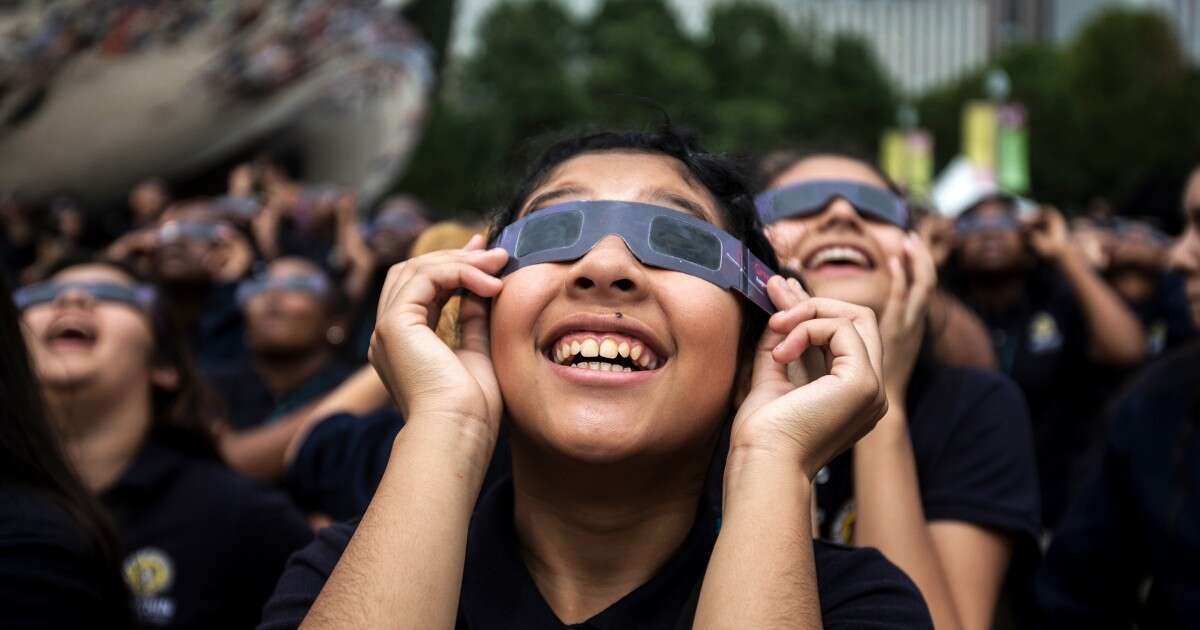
1044	335
149	572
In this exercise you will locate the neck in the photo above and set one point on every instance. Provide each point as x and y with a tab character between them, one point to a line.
592	533
283	373
996	292
101	435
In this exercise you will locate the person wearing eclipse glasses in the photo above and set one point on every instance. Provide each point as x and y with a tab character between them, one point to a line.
1184	255
201	547
625	320
1052	317
293	324
945	484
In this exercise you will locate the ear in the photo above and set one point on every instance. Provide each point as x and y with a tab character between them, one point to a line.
165	378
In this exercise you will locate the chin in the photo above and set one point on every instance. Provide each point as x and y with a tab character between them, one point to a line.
594	435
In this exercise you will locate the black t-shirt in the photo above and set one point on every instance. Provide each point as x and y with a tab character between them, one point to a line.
342	460
1138	515
50	576
203	546
858	588
973	449
249	402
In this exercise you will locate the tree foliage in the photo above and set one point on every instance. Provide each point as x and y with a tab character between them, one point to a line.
1113	113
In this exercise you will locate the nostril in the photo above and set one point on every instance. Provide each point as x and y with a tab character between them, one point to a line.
624	284
584	283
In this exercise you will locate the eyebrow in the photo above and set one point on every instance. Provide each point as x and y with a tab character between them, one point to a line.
540	201
664	195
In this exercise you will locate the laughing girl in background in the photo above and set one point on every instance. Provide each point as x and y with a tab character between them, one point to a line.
945	484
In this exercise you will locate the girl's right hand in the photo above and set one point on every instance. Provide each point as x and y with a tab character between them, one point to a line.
422	374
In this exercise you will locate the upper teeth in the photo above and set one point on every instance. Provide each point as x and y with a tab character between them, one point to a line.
837	254
606	347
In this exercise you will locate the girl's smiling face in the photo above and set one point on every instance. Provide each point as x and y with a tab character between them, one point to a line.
838	253
677	335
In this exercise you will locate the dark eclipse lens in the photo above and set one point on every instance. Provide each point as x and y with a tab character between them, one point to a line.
550	232
678	239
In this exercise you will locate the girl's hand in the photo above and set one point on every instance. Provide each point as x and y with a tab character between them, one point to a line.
1048	234
827	411
903	322
423	375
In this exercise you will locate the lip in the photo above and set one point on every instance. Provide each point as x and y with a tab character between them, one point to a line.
593	322
71	322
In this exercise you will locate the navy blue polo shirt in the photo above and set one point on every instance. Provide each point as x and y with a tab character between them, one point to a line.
250	403
1138	515
50	575
973	449
858	588
203	546
220	336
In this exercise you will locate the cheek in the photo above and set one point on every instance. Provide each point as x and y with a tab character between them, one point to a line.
706	323
126	331
515	310
785	237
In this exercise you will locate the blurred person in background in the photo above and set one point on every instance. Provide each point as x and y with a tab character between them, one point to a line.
1050	316
371	250
61	235
945	484
196	259
202	546
1131	255
1127	551
1184	255
147	201
59	556
18	235
336	459
293	325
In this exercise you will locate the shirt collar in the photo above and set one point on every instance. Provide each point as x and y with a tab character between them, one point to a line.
498	591
152	468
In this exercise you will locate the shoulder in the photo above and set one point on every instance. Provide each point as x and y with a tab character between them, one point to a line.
304	577
1163	394
860	588
951	396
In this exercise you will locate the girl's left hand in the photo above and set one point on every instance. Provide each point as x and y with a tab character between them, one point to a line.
827	413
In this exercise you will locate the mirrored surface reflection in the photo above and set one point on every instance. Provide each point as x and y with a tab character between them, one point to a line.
98	94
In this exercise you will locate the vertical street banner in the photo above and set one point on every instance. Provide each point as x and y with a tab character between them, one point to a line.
979	134
906	156
1012	149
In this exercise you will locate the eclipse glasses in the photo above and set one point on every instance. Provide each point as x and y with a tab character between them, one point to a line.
657	236
809	198
138	296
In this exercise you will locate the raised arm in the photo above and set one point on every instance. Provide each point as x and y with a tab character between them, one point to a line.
762	572
1115	335
403	568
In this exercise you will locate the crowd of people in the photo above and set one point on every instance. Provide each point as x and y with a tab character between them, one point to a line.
659	389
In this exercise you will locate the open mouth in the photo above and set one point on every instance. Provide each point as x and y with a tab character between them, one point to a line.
838	257
603	352
71	334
